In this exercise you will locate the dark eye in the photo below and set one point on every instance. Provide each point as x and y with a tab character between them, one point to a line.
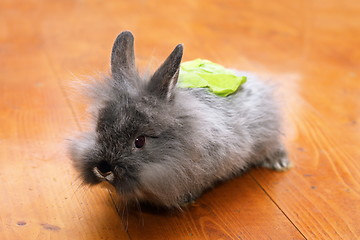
140	141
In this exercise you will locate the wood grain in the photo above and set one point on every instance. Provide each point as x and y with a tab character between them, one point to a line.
308	49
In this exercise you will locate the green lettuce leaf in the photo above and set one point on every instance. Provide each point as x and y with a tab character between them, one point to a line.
201	73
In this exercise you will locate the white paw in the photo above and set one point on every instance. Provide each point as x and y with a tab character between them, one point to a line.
281	164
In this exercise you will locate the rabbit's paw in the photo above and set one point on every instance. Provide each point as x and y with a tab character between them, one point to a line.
277	161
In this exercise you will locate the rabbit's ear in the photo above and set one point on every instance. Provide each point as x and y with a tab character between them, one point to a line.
122	56
165	78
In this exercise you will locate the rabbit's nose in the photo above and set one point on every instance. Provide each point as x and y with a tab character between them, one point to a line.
104	170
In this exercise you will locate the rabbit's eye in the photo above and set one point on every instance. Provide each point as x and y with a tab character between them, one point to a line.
140	141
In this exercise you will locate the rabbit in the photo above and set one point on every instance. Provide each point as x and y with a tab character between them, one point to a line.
164	145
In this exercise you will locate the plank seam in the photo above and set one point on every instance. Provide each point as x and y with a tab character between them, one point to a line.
288	218
125	226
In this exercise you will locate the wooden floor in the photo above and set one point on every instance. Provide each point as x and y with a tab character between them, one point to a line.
310	49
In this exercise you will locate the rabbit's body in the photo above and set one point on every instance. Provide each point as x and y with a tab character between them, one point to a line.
165	145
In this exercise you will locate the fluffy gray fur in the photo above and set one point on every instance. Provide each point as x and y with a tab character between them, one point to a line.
193	138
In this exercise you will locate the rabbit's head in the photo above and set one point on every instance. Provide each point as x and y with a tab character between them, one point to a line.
139	140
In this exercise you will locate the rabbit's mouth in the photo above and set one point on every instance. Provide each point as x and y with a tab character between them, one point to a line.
107	172
104	176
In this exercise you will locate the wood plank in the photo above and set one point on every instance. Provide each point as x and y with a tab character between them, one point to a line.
39	196
321	194
237	209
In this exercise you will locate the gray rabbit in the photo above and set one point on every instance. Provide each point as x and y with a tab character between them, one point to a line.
164	145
